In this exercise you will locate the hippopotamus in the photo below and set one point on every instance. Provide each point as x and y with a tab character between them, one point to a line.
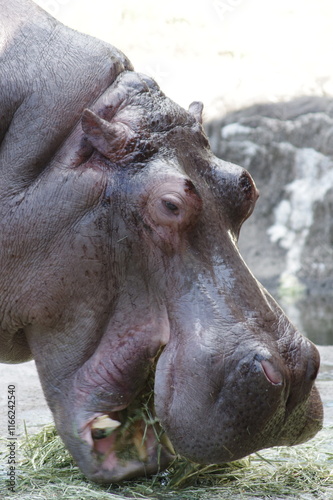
121	275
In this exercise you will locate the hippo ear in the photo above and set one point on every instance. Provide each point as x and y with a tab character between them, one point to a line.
110	139
195	109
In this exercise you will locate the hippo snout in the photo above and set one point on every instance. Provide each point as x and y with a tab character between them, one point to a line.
248	396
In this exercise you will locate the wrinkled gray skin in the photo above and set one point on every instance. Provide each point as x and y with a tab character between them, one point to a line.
118	238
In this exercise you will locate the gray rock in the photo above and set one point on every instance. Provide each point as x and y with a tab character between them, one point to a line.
288	149
288	241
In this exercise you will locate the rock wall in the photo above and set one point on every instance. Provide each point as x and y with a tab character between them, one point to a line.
288	241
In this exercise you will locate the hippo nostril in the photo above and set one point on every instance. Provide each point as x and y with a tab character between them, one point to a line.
312	370
313	364
272	374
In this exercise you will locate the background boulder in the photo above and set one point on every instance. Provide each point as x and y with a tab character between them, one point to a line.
288	241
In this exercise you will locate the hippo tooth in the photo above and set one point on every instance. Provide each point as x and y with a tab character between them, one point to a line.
103	426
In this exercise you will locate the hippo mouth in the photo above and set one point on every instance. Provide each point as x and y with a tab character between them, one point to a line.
127	442
130	441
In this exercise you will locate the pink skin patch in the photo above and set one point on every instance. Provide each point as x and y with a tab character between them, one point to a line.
272	374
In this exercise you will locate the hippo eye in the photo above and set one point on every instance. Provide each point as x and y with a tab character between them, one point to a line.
172	207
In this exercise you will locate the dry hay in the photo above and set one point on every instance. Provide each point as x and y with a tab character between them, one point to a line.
47	471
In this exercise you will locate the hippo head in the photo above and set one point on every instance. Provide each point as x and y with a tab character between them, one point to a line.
134	300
